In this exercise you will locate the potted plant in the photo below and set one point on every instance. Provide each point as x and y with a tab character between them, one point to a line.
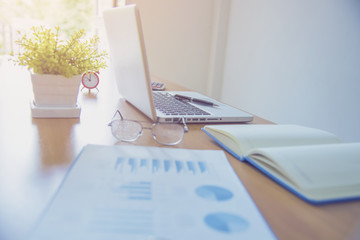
56	66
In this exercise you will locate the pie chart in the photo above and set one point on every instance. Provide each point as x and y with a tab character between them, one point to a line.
214	193
226	223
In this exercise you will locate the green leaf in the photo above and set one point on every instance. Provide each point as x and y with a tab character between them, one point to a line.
42	51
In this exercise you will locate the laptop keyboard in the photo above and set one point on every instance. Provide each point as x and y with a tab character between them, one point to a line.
169	105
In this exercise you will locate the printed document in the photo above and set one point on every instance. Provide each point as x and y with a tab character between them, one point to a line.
151	193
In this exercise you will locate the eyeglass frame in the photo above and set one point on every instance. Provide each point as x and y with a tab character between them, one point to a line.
182	120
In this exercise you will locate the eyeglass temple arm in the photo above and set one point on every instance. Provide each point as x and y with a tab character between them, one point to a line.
186	129
117	112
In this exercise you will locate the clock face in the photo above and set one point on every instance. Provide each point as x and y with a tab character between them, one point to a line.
90	80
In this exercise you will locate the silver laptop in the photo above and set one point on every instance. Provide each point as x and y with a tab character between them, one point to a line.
129	62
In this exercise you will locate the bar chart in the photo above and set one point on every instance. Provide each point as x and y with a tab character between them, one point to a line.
134	190
121	221
161	166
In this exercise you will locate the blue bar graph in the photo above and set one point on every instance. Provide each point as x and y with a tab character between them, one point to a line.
144	163
119	163
121	221
156	166
167	165
179	166
191	167
134	190
202	166
132	164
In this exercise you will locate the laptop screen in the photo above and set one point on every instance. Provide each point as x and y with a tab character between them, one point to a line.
128	57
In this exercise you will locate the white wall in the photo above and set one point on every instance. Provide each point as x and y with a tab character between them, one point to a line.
296	62
286	61
178	38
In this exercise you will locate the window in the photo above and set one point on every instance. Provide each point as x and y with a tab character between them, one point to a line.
68	14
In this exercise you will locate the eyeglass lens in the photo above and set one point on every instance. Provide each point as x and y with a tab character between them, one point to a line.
168	134
125	130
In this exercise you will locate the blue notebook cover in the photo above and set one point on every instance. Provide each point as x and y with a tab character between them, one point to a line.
277	180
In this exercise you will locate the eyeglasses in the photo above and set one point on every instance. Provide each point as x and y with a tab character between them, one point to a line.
130	130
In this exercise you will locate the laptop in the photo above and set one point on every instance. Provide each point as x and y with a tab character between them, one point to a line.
129	62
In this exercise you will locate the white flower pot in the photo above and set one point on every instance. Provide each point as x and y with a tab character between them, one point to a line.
55	90
55	96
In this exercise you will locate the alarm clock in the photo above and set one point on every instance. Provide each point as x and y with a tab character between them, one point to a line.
90	80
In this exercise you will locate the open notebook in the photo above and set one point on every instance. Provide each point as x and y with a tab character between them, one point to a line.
313	164
129	63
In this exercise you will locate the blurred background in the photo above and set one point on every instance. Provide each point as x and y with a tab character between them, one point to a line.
289	62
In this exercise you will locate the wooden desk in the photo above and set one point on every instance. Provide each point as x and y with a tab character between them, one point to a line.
36	153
